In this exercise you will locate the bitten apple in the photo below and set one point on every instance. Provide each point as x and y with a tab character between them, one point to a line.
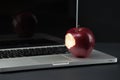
24	24
80	41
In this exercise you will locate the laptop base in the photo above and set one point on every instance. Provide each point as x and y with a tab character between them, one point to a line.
53	61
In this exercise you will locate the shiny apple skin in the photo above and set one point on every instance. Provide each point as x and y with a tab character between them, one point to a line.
84	42
24	24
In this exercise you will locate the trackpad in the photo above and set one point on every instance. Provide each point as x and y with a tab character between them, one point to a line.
50	59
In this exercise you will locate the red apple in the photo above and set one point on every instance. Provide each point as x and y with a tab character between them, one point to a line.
80	41
24	24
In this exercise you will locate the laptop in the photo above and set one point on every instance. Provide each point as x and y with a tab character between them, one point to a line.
44	49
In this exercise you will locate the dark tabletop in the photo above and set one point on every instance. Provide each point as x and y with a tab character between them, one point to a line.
94	72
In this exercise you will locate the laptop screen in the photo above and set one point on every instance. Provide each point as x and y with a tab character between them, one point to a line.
52	16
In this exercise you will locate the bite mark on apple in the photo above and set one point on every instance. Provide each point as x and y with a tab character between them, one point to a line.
69	40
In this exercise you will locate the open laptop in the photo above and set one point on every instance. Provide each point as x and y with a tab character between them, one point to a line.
41	50
44	51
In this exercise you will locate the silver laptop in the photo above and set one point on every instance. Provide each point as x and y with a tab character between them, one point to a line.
48	54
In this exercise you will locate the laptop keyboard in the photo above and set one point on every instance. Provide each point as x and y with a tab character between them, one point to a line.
26	52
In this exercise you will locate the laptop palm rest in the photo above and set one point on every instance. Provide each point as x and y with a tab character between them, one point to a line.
58	60
34	62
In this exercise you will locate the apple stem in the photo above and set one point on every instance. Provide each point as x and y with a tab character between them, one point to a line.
77	14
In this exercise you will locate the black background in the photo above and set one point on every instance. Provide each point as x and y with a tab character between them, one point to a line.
101	16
